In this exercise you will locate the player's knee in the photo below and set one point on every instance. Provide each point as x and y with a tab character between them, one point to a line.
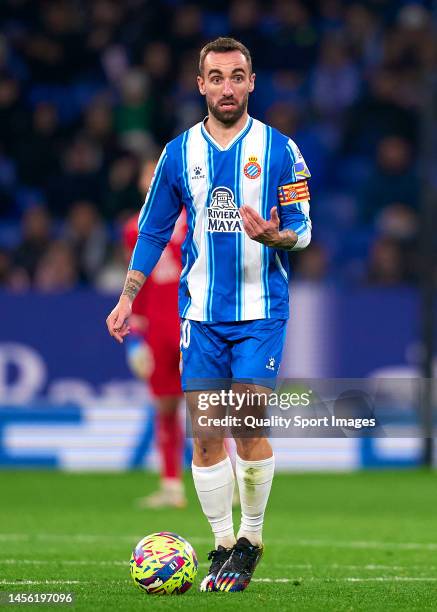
247	448
208	451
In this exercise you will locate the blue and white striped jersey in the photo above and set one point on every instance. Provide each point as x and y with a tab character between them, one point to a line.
226	275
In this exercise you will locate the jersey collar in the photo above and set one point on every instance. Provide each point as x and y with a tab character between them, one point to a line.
236	138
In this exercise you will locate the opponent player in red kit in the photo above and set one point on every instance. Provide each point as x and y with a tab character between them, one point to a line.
153	353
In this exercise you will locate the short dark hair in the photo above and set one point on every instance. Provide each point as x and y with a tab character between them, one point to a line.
224	45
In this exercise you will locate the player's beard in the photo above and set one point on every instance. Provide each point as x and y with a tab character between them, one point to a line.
231	116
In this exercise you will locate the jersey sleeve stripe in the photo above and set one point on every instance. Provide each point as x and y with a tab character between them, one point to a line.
265	256
293	159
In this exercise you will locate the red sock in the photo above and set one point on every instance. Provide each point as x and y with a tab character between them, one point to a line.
169	439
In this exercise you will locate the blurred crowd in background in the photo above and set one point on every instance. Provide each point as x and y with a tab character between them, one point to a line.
90	90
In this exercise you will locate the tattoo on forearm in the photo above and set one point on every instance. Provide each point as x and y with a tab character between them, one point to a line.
288	239
134	282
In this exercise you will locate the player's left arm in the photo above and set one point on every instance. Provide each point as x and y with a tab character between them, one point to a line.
294	197
289	226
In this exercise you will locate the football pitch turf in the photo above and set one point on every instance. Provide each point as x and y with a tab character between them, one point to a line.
359	541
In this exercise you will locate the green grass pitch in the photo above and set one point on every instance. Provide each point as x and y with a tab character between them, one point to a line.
360	541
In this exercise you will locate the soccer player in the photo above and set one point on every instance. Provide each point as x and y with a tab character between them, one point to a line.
243	185
153	354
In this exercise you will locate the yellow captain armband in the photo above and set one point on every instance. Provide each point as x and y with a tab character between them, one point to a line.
293	192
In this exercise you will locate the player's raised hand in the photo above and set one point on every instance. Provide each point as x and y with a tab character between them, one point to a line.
117	321
258	228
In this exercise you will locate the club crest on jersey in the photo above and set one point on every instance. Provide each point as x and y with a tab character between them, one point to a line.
223	214
252	170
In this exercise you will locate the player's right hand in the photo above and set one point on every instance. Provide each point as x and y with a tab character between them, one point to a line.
117	321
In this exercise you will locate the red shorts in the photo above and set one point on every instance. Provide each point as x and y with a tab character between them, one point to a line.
163	339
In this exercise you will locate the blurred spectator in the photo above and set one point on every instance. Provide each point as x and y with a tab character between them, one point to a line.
86	236
186	29
393	180
336	79
385	264
112	276
400	223
312	141
7	185
292	39
113	272
135	110
5	266
37	154
312	264
331	16
380	113
13	117
105	16
55	50
361	33
81	177
244	18
128	186
122	195
189	107
157	62
36	232
146	175
99	128
56	270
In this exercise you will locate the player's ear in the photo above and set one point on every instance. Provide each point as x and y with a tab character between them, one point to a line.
201	84
252	82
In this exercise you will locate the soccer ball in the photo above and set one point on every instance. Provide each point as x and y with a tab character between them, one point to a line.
163	564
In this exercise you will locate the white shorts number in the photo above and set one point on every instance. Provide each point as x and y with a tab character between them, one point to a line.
185	333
